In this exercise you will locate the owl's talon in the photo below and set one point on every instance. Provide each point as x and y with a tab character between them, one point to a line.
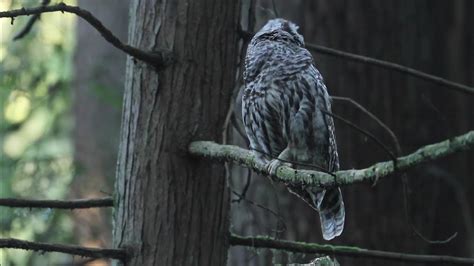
273	166
374	180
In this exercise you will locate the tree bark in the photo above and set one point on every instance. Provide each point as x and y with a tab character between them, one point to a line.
172	209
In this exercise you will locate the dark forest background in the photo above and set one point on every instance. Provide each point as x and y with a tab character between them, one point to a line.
433	36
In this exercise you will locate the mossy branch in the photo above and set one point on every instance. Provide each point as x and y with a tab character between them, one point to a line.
229	153
11	243
314	248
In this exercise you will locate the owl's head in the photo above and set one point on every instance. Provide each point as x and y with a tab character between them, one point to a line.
280	29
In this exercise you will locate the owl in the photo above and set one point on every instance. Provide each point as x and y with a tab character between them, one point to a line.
285	107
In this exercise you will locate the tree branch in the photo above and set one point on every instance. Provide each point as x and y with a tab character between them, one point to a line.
229	153
155	58
373	117
391	66
380	63
363	132
11	243
57	204
30	23
302	247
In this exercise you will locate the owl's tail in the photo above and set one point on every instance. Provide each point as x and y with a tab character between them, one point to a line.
330	205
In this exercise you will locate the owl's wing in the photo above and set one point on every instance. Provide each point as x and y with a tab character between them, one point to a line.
333	157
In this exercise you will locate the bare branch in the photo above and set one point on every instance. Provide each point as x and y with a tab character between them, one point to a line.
240	129
302	247
57	204
374	117
155	58
242	195
12	243
275	11
380	63
229	153
363	132
278	216
30	23
391	66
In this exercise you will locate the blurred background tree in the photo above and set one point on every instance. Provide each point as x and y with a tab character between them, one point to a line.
60	114
98	81
36	150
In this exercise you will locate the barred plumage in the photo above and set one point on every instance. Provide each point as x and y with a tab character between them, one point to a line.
283	108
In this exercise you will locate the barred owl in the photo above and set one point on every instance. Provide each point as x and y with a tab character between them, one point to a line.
284	109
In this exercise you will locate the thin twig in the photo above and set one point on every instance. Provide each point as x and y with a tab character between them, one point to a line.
12	243
229	153
155	58
367	134
247	183
239	128
434	242
275	11
407	208
277	215
364	132
460	195
373	117
57	204
241	195
225	133
391	66
30	23
356	252
252	17
380	63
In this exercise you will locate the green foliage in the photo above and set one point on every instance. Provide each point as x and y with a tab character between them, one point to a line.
35	128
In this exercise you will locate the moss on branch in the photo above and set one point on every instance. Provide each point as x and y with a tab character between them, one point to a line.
314	248
229	153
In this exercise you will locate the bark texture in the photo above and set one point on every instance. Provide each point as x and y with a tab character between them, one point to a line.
172	209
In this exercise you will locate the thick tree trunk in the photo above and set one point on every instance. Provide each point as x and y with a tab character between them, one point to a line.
173	209
98	84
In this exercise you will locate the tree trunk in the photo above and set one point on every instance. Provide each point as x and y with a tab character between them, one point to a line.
172	209
98	86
